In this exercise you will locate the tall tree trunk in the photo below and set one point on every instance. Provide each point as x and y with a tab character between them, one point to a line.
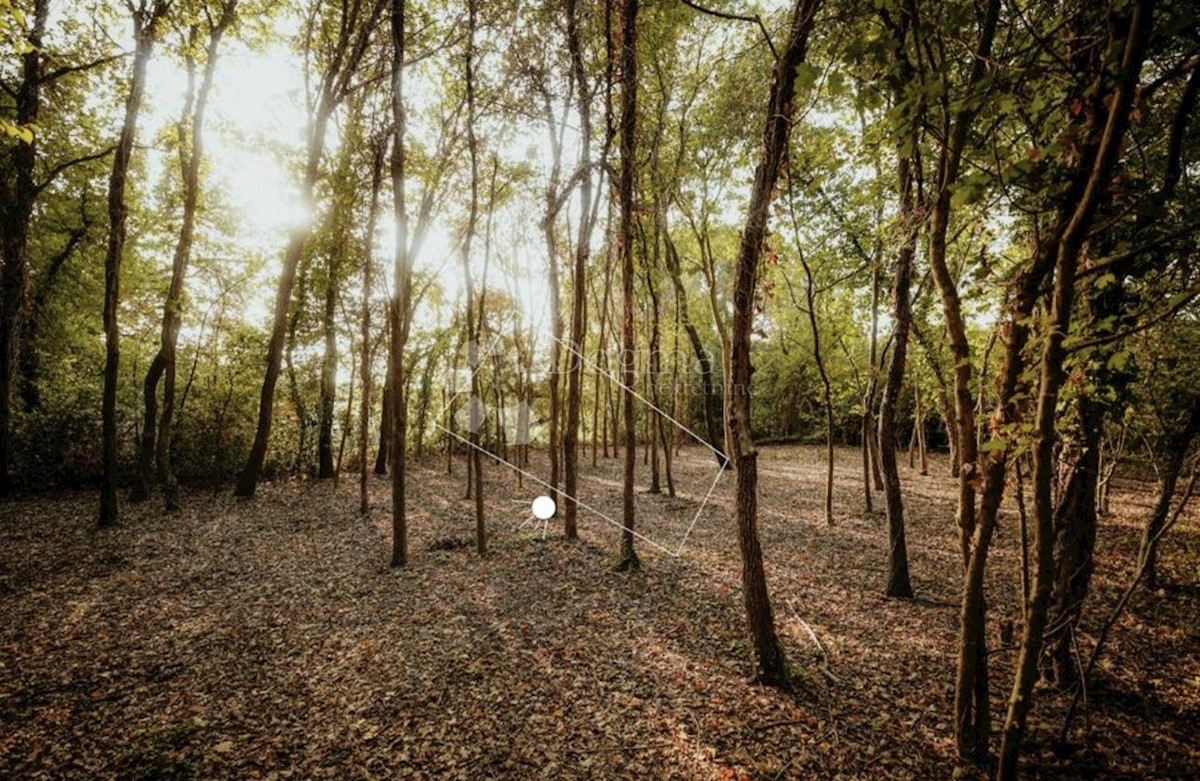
599	414
325	465
401	303
156	435
248	479
870	439
570	442
303	417
653	369
898	584
474	348
712	393
145	22
378	153
1075	540
770	665
972	715
16	217
826	386
554	130
629	9
383	452
350	45
1103	134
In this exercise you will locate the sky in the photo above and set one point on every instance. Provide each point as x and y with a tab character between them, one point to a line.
254	138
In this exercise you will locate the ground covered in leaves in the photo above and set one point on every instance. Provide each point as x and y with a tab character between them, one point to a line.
269	639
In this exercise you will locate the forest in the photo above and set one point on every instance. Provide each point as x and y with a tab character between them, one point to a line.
697	389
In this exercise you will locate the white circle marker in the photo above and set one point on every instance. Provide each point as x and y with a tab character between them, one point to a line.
544	508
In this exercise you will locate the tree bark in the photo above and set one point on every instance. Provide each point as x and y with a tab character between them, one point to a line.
898	584
570	443
146	19
157	435
474	348
401	302
712	393
16	216
1103	137
628	558
770	665
378	154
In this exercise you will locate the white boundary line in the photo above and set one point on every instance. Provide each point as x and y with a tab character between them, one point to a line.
558	491
644	400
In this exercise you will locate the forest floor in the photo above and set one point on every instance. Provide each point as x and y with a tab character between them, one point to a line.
269	639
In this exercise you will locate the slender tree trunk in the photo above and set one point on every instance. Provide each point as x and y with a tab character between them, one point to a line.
16	218
770	665
346	423
870	440
1177	449
401	304
379	151
352	38
898	584
474	354
325	465
145	23
919	423
382	453
628	559
712	393
248	480
653	370
1075	532
1110	115
599	415
570	443
826	386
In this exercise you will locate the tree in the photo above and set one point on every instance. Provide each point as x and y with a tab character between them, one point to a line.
770	665
898	584
474	319
154	456
379	144
146	19
629	9
1111	93
570	441
16	214
341	40
20	191
400	309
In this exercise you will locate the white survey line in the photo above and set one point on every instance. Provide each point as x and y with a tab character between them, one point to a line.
699	510
644	400
542	482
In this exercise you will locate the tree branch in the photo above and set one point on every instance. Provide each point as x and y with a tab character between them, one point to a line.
58	169
756	19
